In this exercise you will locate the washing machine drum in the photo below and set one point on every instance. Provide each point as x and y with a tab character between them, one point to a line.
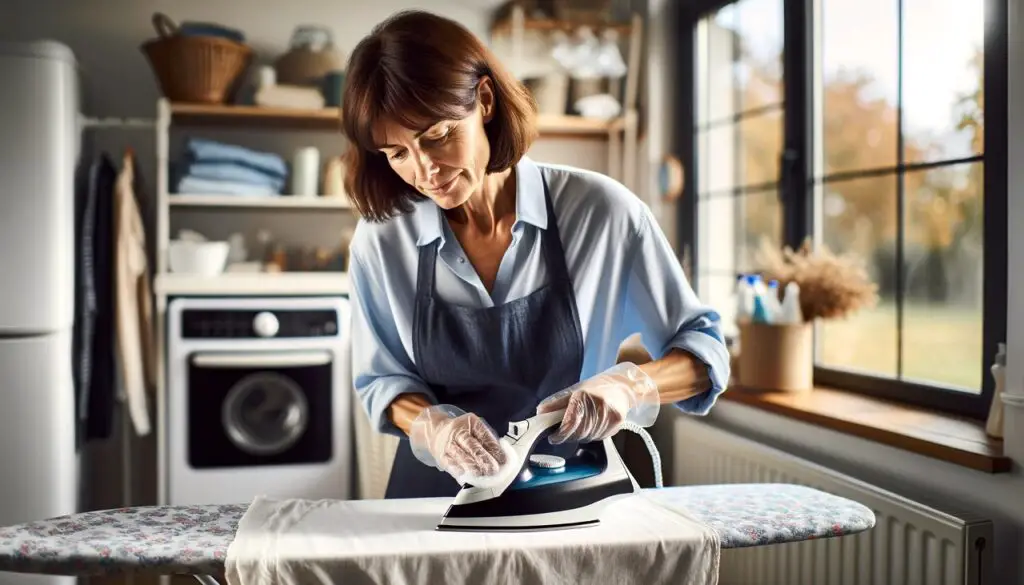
265	413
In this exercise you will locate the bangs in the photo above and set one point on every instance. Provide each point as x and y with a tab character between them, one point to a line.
415	104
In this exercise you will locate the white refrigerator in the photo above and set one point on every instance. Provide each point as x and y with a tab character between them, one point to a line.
39	144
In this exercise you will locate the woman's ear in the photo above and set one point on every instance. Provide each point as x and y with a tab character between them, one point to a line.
485	93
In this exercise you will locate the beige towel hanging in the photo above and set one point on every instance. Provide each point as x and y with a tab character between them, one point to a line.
133	300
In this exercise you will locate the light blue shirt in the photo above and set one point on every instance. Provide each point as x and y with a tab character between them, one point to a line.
625	274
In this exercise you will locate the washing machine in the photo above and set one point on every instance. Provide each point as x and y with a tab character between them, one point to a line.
259	399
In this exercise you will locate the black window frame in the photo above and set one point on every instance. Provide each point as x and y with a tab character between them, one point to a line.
797	182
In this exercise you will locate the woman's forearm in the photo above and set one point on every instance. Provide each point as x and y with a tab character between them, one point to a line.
406	408
679	375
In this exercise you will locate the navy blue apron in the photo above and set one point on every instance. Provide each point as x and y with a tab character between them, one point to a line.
496	362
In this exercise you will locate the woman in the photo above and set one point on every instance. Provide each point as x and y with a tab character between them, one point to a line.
486	286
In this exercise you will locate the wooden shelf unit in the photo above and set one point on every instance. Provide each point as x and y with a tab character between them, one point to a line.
171	115
506	25
260	202
256	118
253	284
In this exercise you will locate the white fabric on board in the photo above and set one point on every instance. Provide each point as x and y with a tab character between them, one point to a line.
293	542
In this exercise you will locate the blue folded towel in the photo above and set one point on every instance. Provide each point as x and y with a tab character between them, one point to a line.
190	185
232	172
210	151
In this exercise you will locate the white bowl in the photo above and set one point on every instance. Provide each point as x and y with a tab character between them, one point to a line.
199	258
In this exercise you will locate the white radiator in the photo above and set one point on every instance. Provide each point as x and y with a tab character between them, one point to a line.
911	543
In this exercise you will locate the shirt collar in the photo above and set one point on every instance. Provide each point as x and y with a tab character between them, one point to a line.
530	205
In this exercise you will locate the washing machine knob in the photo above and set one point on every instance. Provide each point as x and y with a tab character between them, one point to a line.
265	324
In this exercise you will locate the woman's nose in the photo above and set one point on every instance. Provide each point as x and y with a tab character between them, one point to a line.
425	167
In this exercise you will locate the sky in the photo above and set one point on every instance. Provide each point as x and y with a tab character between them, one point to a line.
940	37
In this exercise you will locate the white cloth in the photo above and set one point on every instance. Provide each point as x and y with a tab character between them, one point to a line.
291	542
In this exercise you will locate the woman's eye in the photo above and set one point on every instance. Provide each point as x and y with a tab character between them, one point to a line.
397	155
445	133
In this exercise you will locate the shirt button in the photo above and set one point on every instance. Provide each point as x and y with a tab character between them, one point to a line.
462	260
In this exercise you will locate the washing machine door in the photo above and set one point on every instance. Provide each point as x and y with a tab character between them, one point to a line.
259	408
265	413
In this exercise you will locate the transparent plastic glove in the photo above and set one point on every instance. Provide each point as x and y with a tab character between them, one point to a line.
596	408
459	443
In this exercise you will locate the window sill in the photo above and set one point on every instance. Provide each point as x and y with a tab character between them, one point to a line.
953	439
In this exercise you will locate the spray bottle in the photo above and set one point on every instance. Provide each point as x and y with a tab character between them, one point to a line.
745	298
790	312
773	302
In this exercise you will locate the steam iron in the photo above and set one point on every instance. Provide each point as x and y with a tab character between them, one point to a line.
545	492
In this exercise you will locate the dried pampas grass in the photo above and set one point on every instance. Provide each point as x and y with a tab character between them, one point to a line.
831	286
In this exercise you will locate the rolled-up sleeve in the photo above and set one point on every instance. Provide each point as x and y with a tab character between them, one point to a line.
662	306
381	368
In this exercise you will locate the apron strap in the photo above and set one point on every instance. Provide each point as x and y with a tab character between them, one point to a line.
553	251
426	269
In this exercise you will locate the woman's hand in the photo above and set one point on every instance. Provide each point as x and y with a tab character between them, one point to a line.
596	408
456	442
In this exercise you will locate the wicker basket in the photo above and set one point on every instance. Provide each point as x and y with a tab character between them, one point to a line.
197	69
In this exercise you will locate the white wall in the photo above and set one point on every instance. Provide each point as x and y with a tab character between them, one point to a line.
1014	439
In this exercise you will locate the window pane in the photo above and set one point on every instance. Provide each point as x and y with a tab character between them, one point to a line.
732	228
760	221
761	146
859	72
717	84
739	60
758	70
717	226
942	319
719	158
717	290
858	217
943	44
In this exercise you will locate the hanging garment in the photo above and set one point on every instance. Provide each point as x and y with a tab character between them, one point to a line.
134	308
93	336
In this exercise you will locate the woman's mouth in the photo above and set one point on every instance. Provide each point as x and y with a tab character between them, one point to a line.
444	188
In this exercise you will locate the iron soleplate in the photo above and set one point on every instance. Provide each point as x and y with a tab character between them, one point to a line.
497	527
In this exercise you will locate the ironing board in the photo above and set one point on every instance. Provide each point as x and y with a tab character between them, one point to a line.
193	540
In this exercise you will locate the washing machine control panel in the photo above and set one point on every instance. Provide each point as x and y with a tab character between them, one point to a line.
255	323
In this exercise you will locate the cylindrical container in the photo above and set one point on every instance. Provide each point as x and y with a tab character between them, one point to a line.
334	177
776	357
306	172
267	77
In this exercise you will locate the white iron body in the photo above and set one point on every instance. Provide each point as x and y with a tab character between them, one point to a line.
510	505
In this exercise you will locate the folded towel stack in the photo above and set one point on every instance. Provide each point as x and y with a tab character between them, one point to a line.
214	168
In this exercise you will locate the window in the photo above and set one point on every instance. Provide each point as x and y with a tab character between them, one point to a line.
872	127
740	109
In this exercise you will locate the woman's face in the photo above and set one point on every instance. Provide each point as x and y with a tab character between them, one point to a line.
447	160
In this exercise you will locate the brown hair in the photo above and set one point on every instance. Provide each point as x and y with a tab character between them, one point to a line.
415	69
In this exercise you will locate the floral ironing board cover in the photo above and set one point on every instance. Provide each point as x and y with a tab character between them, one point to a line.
194	540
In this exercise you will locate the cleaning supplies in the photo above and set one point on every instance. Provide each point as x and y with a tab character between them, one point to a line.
772	301
790	312
744	299
994	425
762	305
758	302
